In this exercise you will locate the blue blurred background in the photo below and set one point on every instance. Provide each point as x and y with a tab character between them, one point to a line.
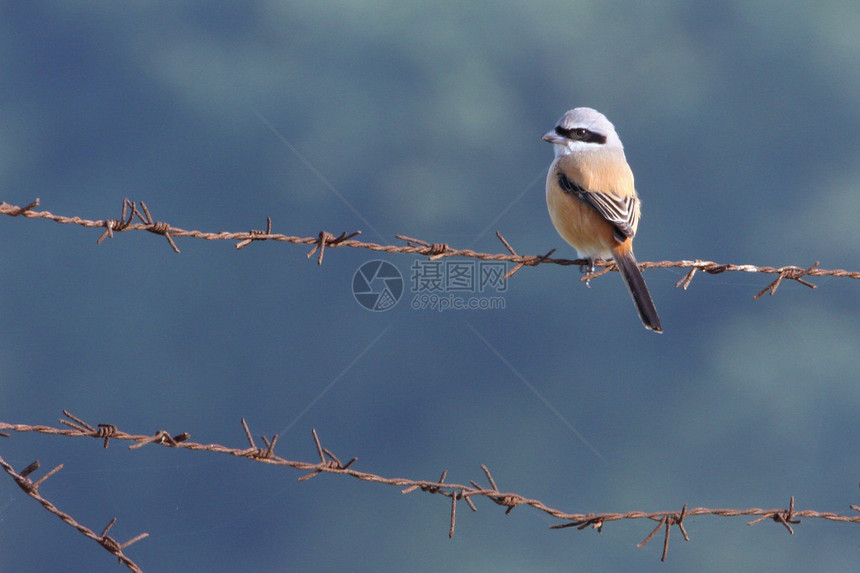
741	123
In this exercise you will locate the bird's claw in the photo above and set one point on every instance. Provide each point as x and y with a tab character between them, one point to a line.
587	270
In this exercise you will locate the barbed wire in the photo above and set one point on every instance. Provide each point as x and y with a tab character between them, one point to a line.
329	463
31	488
137	217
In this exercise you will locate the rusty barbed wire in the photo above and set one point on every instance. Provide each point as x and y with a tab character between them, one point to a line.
31	488
139	212
331	464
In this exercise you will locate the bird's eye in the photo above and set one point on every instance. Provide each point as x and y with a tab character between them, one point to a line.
580	132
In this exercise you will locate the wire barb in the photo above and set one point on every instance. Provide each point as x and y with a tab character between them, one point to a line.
256	235
793	273
785	517
686	279
325	239
128	212
157	227
433	250
666	522
16	211
332	464
532	261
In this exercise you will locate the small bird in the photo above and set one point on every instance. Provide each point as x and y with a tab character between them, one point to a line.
592	200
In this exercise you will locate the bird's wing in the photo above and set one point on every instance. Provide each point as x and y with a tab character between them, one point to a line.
622	212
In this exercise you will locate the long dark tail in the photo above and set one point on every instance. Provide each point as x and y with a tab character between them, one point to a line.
626	263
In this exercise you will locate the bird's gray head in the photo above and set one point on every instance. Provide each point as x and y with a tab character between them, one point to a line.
581	129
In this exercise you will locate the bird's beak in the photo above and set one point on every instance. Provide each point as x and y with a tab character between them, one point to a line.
553	137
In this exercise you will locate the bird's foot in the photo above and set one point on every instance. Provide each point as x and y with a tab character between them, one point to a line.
587	270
